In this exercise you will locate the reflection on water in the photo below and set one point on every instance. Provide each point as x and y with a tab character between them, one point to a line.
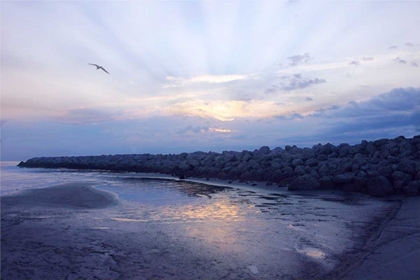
177	202
312	252
263	233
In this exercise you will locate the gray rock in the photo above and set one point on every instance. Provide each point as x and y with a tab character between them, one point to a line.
287	171
275	164
297	162
402	176
304	182
353	187
412	188
311	162
370	148
407	166
254	164
308	153
299	170
326	182
398	186
379	186
344	178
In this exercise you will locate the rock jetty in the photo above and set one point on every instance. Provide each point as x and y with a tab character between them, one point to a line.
379	168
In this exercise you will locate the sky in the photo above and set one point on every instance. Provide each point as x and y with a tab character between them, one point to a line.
189	76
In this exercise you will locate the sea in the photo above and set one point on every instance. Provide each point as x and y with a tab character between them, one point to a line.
255	233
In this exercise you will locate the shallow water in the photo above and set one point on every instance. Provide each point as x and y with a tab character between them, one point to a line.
178	229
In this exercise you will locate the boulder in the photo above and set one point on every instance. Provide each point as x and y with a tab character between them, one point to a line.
297	162
398	186
299	170
412	188
344	178
407	166
326	182
311	162
304	182
379	186
402	176
353	187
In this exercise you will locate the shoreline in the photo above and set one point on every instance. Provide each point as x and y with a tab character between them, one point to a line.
380	168
394	252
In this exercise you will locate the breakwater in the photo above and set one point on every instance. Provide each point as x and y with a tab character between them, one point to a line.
378	168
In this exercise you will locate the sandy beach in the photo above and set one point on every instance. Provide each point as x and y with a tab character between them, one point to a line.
77	231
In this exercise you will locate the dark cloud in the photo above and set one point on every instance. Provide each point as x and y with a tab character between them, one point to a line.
358	62
323	111
399	60
271	89
309	99
293	82
293	116
298	59
398	101
385	115
299	83
393	47
403	61
409	44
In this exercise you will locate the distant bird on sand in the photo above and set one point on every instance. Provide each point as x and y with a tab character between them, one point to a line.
98	67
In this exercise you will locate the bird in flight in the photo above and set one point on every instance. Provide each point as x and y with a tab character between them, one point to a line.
98	67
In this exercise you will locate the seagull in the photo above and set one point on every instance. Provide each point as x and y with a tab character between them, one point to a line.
99	67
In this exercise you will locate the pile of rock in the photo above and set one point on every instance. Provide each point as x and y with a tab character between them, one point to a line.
379	168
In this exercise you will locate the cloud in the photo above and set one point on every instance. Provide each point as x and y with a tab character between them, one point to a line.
205	79
399	60
385	115
409	44
194	129
297	82
367	58
393	47
397	101
220	130
87	115
308	99
230	110
298	59
293	116
216	79
358	62
204	129
293	82
403	61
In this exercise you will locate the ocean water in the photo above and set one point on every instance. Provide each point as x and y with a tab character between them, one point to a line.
209	230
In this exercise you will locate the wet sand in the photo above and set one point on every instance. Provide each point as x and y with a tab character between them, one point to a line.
76	231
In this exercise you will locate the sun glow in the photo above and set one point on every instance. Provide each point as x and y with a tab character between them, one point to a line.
229	110
220	130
